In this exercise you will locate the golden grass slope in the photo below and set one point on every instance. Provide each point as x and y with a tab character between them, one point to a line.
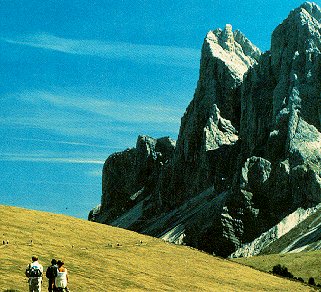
103	258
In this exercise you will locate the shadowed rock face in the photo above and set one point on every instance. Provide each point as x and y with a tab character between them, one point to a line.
250	140
129	175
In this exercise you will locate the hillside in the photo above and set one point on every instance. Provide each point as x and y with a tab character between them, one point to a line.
302	264
104	258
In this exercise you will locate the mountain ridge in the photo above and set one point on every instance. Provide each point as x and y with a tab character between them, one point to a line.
249	139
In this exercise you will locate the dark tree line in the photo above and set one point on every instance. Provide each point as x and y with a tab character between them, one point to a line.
284	272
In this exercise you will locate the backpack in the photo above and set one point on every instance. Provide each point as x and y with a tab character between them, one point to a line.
51	272
33	271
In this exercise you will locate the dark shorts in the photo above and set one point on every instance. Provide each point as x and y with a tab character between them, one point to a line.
35	284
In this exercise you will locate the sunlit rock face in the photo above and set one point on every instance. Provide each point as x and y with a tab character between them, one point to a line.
249	148
211	121
281	108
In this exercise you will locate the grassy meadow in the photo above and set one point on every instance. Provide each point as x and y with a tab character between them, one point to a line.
302	264
104	258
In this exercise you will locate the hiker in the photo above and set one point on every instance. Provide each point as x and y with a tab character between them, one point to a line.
61	281
51	274
34	273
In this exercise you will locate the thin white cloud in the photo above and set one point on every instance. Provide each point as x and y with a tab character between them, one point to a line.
126	112
43	182
84	116
39	158
72	125
164	55
65	143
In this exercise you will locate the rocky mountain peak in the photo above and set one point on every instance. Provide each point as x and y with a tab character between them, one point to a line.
212	118
312	9
249	147
227	41
297	34
295	55
233	48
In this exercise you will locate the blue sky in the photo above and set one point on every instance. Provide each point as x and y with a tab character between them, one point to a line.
80	80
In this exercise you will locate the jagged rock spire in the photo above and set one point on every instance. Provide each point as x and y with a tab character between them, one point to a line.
227	38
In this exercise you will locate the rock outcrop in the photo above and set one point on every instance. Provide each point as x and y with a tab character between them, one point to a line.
129	175
299	231
248	152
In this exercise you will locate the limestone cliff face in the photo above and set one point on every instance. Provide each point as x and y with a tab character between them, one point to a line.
249	148
281	109
280	150
279	162
211	121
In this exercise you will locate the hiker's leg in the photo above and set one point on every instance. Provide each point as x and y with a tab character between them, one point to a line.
30	286
50	285
38	284
33	285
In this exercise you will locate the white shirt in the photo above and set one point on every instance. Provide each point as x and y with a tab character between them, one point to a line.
36	264
61	279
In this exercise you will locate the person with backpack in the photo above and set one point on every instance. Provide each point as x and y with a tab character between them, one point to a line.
51	274
34	273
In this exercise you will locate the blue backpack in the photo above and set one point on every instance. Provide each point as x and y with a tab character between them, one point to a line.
33	271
